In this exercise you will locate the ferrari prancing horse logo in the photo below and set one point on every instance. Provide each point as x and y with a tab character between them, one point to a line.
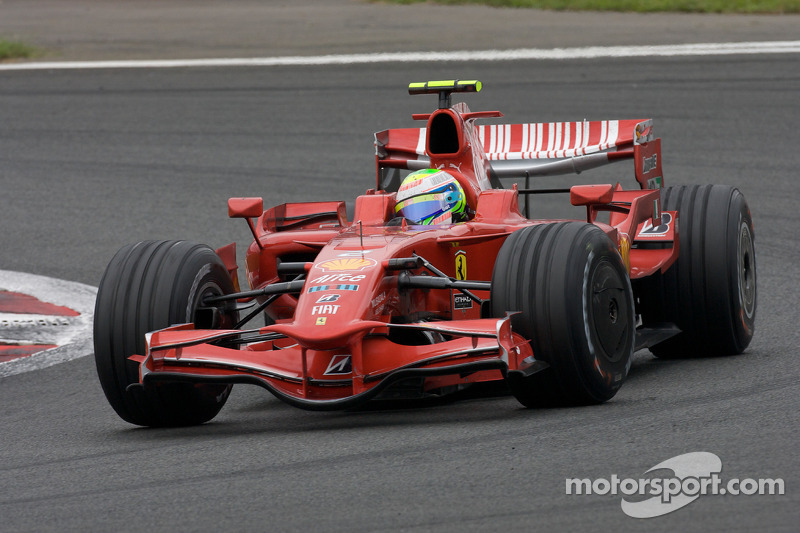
461	265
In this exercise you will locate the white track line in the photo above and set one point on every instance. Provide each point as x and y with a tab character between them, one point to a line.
591	52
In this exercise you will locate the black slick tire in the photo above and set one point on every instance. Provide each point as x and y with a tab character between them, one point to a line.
710	291
574	301
149	286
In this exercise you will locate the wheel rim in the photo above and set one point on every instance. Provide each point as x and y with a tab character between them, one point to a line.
746	260
210	317
610	312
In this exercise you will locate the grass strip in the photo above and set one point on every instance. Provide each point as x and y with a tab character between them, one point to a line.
15	50
636	6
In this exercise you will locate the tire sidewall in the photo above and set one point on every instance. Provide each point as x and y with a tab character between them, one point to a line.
212	279
741	242
603	371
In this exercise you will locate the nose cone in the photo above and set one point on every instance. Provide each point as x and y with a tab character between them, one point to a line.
336	296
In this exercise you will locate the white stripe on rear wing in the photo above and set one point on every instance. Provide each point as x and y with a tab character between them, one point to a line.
555	140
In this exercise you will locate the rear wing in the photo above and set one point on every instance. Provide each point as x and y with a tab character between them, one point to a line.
543	149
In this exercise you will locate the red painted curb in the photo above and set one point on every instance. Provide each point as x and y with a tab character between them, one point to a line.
9	352
15	302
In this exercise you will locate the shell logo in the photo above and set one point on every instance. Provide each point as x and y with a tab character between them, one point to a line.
347	263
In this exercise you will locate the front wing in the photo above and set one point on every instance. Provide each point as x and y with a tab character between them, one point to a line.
275	358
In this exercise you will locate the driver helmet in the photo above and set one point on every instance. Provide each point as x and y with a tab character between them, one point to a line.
431	196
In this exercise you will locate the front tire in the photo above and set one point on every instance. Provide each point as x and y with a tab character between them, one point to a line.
149	286
575	304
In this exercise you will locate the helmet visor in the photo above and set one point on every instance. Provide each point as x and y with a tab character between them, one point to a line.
425	208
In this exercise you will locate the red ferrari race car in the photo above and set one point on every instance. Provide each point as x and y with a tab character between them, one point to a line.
439	281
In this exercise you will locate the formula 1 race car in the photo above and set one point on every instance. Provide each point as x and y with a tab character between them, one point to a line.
439	281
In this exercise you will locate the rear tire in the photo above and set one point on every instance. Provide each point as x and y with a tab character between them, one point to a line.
710	291
575	304
149	286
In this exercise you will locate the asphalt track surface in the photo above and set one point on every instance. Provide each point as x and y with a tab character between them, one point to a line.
90	161
180	29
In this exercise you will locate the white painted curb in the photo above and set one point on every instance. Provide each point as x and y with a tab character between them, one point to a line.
73	335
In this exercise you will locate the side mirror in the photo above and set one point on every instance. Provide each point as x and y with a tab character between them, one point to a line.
591	194
245	207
